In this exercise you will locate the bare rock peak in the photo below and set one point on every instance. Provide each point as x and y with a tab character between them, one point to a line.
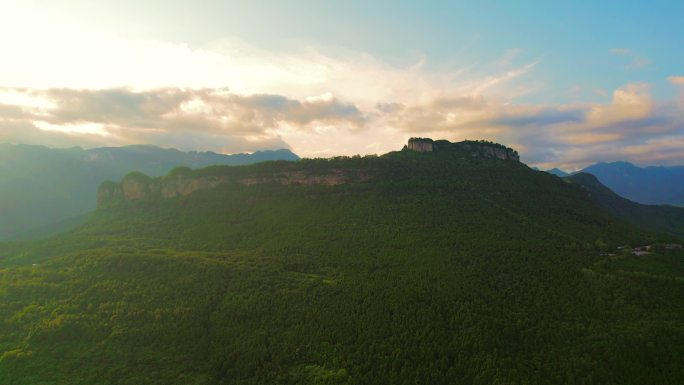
421	144
473	148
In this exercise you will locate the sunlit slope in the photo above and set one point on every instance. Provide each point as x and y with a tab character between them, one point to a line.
434	268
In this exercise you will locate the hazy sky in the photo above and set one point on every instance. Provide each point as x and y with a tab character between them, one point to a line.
565	83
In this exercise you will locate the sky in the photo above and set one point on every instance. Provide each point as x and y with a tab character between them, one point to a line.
566	83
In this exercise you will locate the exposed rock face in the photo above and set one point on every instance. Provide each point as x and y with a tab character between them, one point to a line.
475	149
332	178
421	145
186	186
108	191
487	151
183	182
135	189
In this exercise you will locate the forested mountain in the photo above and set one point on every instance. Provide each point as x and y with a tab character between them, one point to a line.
43	190
648	185
669	219
444	267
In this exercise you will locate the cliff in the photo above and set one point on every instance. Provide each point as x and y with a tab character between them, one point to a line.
475	149
184	181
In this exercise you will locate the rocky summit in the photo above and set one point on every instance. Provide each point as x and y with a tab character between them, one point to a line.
473	148
183	181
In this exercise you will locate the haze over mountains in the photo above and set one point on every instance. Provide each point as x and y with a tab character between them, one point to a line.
653	185
43	189
649	185
661	218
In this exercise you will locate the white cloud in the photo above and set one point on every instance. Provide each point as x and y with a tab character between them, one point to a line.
42	51
76	129
636	61
139	89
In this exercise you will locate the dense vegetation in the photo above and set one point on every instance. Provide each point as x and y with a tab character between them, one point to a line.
668	219
439	269
44	190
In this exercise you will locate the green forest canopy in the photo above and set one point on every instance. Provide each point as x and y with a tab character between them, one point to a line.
441	269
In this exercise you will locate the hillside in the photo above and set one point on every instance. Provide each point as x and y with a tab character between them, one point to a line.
47	189
667	219
437	267
647	185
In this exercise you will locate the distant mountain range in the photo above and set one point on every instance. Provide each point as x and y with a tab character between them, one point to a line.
43	189
558	172
648	185
661	218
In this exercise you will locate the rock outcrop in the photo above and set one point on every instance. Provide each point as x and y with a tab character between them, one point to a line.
133	187
471	148
421	145
184	181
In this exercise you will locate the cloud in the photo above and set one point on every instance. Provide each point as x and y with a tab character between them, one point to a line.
11	112
636	61
620	51
630	126
509	57
226	92
64	87
640	62
53	53
183	118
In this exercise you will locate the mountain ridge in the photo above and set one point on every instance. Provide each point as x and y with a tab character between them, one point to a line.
646	185
438	268
184	181
41	186
662	218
